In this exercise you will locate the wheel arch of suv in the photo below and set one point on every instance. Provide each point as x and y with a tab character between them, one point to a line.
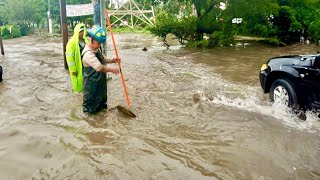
274	75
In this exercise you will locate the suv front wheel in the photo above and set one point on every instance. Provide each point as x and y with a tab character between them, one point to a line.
282	91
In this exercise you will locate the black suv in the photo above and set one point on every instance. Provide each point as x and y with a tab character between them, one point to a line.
294	81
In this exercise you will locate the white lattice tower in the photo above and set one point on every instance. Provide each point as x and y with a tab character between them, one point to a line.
125	9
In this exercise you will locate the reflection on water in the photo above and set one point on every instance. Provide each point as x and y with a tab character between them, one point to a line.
201	114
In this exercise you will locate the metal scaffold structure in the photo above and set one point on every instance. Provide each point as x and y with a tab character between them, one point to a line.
130	14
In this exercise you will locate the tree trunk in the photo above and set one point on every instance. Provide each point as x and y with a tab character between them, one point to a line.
197	5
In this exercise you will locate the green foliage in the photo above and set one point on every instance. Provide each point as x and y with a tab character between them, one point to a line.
27	11
5	32
89	22
172	7
205	7
221	38
204	43
314	31
164	25
15	32
285	20
25	30
191	28
277	20
287	24
185	29
208	24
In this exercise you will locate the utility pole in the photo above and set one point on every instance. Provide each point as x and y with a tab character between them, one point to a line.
103	22
1	43
99	16
64	29
96	12
49	18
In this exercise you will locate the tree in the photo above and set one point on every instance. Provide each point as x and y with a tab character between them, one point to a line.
257	16
306	13
22	12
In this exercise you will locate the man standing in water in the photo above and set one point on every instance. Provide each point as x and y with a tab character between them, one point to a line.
73	54
94	72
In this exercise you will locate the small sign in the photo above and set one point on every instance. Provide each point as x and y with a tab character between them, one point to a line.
237	20
79	10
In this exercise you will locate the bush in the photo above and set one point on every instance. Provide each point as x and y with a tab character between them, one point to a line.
5	32
185	29
25	30
198	44
15	32
164	25
209	24
221	38
314	31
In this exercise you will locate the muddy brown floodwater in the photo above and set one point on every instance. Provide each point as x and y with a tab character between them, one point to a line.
201	114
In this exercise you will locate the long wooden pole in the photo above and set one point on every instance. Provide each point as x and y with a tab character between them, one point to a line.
64	29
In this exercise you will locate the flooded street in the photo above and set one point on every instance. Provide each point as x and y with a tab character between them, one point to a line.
201	114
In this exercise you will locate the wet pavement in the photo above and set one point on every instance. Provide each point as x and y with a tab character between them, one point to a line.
201	114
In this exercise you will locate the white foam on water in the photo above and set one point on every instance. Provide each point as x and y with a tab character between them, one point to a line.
278	111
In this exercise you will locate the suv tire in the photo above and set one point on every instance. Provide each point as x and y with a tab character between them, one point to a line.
282	90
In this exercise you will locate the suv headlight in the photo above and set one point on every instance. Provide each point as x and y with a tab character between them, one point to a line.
264	67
